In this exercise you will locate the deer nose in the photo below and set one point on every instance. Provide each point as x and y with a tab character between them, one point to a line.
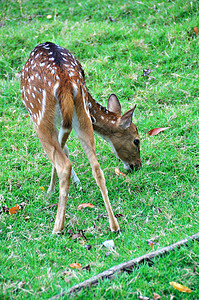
135	166
136	142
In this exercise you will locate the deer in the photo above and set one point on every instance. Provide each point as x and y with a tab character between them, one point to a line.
56	97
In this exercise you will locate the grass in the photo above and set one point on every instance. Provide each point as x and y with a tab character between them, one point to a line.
159	202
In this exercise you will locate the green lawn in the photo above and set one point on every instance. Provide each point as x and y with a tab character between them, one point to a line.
114	41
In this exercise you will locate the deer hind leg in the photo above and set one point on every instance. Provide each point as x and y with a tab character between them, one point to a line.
48	138
62	140
83	127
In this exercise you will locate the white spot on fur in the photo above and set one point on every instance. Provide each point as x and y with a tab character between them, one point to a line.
84	97
41	113
75	89
55	89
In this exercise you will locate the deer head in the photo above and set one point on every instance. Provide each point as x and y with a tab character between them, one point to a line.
118	130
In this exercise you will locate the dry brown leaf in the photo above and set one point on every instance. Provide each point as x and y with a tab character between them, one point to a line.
14	210
84	205
180	287
155	131
118	172
156	296
75	266
196	30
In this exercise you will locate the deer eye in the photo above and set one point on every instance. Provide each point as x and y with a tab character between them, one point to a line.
136	142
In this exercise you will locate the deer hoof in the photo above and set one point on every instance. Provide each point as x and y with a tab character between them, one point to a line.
114	226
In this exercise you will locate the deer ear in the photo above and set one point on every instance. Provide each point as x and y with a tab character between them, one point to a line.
126	119
114	104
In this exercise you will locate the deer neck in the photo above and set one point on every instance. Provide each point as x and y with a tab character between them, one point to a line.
104	121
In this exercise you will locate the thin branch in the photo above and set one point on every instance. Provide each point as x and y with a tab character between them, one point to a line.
126	265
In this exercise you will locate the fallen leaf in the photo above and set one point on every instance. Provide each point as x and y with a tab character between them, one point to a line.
155	131
109	244
75	266
14	210
180	287
152	243
196	30
84	205
156	296
118	173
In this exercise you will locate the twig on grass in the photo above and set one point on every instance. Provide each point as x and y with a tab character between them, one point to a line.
126	266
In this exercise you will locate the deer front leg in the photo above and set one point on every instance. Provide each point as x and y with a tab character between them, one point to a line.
100	180
86	137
